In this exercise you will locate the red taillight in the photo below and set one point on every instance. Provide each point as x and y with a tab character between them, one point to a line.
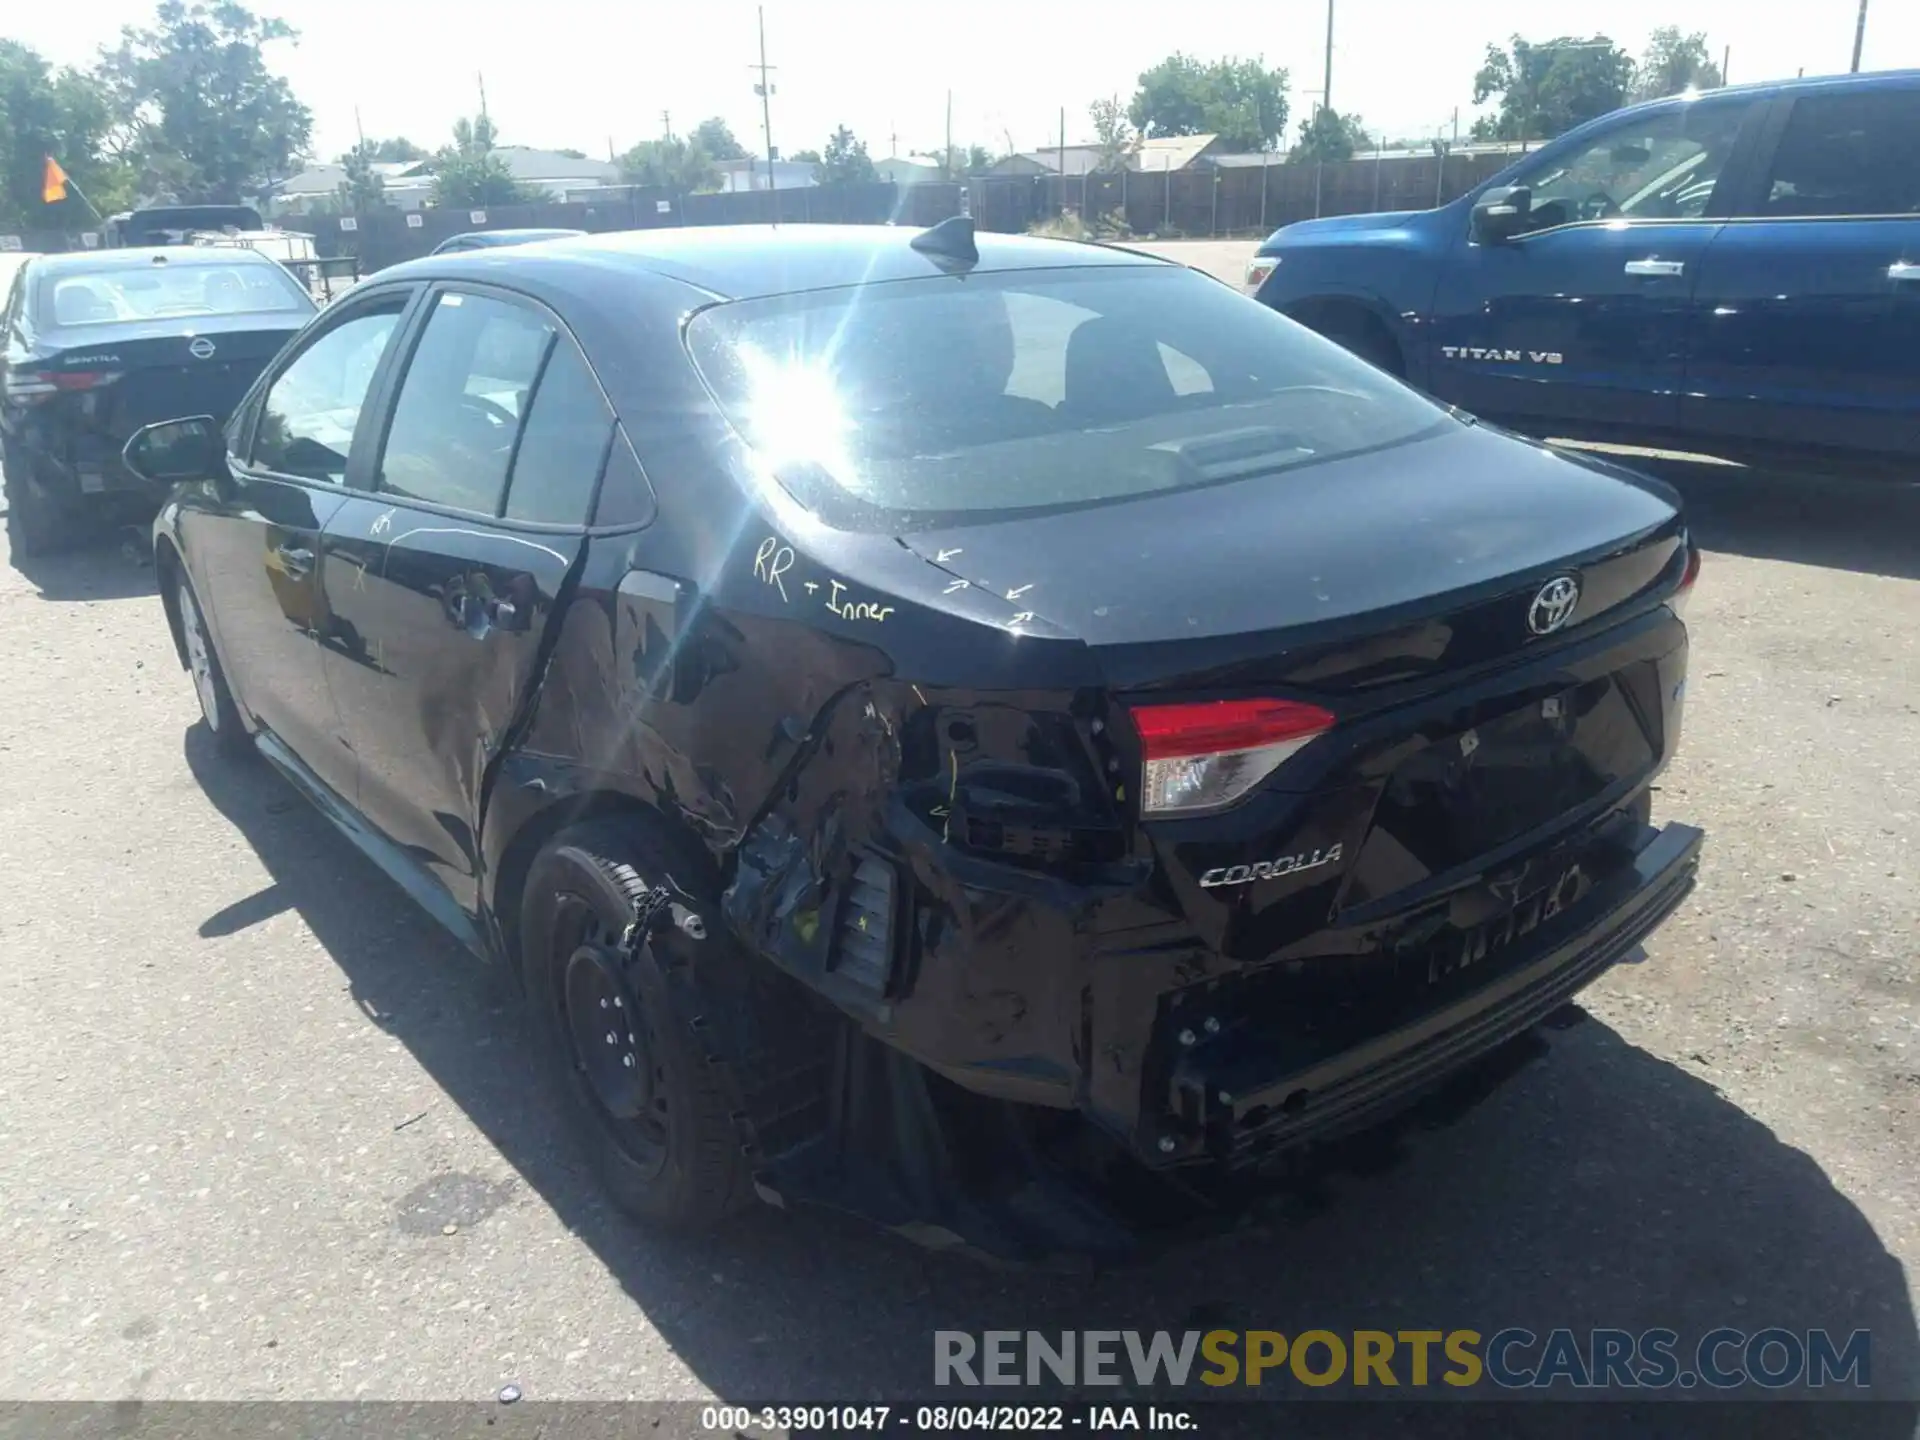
31	386
1684	591
80	379
1206	755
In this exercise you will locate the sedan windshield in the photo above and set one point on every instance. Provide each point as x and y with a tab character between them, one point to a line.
158	292
956	398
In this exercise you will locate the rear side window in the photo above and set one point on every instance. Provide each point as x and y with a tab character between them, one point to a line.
949	399
1848	153
562	444
310	410
461	405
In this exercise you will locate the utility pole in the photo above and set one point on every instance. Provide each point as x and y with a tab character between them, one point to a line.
946	156
1326	85
483	94
359	129
1063	157
1726	66
666	124
1859	35
765	91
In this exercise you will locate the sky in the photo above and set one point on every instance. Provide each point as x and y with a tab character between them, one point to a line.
587	74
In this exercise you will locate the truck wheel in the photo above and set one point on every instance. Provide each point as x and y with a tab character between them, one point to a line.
648	1102
1360	333
35	525
217	709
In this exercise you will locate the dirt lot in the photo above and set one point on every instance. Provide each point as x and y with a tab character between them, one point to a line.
267	1134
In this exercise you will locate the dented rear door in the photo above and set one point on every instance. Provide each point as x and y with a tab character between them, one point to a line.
443	579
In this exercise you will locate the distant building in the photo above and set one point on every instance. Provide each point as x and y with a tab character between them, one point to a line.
751	174
908	170
408	184
1170	152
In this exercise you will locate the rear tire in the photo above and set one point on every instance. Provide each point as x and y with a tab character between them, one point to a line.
35	525
649	1104
217	710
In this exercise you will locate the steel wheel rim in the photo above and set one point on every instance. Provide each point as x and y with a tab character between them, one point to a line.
199	659
580	939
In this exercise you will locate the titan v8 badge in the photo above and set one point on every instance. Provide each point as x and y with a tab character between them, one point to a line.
1510	357
1269	869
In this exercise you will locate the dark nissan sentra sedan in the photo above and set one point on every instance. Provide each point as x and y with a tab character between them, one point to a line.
983	734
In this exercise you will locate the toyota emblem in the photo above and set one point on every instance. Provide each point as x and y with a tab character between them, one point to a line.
1554	605
201	348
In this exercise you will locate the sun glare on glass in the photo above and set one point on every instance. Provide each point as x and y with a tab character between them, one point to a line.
794	412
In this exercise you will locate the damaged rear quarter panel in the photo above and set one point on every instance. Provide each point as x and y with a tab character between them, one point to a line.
825	701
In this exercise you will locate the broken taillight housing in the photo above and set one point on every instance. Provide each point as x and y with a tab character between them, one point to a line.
1206	755
1678	601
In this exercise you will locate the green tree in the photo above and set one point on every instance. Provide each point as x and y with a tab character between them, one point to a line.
845	161
195	105
1328	136
805	157
1675	62
62	114
397	150
955	164
1111	133
713	137
1241	101
674	164
469	172
363	189
1550	88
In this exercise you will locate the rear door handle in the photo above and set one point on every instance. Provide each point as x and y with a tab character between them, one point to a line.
1656	267
1903	270
297	560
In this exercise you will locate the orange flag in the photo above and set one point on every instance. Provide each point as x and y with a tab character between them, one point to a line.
53	185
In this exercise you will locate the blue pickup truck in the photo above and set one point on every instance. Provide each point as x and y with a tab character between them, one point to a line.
1735	273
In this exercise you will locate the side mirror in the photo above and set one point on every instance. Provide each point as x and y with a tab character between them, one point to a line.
171	451
1501	213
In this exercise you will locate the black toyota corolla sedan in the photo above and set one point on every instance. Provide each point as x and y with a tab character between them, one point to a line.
960	730
96	344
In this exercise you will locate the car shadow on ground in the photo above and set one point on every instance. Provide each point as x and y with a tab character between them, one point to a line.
112	565
1600	1187
1863	526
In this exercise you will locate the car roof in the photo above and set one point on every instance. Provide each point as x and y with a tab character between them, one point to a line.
108	262
1866	80
734	262
511	237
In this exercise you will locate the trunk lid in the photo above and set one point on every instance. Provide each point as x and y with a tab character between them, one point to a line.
146	373
1417	561
1464	754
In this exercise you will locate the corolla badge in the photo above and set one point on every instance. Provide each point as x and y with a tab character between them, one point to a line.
201	348
1269	869
1554	604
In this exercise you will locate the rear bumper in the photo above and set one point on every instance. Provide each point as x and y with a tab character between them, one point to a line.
76	467
1231	1108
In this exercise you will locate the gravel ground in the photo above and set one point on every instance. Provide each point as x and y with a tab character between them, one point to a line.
264	1133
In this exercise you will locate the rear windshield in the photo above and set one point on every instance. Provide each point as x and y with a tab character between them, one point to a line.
157	292
957	398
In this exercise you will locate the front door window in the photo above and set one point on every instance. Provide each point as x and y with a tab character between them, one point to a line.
1660	167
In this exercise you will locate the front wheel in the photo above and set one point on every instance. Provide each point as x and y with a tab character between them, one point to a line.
648	1101
217	709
